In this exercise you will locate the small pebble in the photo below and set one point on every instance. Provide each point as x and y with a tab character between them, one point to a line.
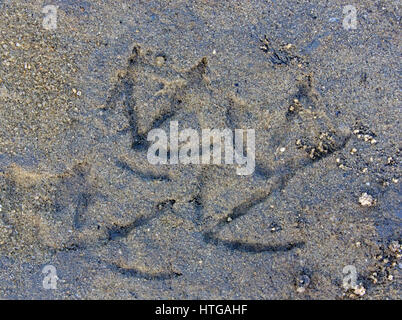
160	61
360	290
366	200
302	283
288	46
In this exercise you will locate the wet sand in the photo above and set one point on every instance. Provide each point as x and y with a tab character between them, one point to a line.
78	193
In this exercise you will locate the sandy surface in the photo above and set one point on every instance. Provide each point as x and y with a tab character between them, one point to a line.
78	193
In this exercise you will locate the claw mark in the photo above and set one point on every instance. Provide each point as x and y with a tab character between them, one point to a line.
168	204
84	200
72	247
132	272
117	232
210	237
147	176
243	208
306	93
280	56
261	171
